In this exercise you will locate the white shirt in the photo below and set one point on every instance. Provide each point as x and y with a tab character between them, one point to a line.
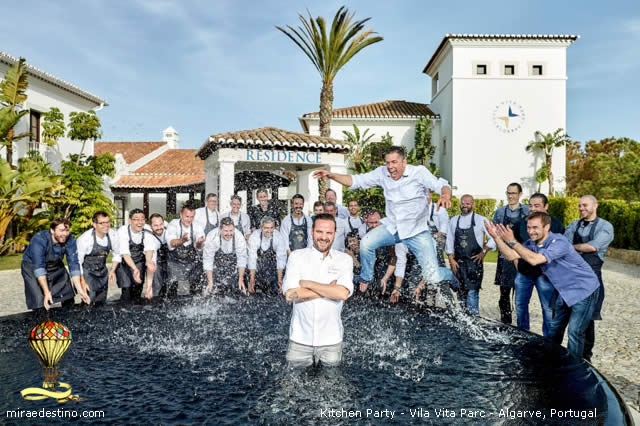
285	228
85	245
212	245
317	322
246	221
279	246
342	229
362	230
440	218
155	245
406	198
174	232
343	212
136	237
465	222
201	217
356	222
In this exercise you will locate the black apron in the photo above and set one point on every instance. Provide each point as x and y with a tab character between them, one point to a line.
58	280
160	276
593	260
466	246
183	261
225	274
124	273
94	270
298	235
381	264
438	241
506	270
209	226
266	265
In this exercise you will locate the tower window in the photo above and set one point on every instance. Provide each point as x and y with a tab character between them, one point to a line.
536	70
481	69
509	70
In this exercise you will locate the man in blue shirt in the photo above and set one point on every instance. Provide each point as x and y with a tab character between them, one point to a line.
46	280
591	237
576	284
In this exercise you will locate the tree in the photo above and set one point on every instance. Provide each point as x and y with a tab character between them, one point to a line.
423	150
546	144
22	191
53	127
608	169
13	93
84	126
358	154
329	53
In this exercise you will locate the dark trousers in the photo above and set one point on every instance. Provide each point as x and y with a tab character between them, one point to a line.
589	340
131	294
577	318
505	304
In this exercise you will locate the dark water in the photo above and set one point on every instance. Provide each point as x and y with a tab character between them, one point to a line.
222	361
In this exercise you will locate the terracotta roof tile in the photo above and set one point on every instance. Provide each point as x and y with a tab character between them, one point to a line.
271	137
131	151
174	167
385	109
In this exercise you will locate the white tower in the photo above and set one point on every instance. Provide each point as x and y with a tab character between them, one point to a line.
171	136
492	93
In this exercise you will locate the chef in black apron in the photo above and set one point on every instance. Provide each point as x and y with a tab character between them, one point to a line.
225	259
46	280
156	256
591	237
131	271
208	217
466	254
296	227
185	237
267	258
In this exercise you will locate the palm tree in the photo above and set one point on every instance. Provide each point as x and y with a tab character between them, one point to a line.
12	94
546	144
329	53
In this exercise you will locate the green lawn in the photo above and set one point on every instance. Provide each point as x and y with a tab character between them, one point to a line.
11	261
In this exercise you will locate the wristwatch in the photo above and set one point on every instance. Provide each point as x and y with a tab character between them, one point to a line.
511	244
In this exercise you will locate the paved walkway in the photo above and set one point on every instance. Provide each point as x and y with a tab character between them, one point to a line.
617	336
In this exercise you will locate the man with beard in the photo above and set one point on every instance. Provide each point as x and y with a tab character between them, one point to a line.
157	269
591	236
225	259
208	217
318	281
267	258
529	276
265	207
296	228
131	270
183	261
354	220
466	250
405	191
46	280
576	285
511	215
94	246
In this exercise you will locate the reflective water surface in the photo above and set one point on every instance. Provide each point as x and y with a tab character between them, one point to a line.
222	361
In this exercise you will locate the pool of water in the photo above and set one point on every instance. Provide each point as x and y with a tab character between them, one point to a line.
222	361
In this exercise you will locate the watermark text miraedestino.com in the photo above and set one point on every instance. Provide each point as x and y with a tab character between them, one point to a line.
59	413
505	413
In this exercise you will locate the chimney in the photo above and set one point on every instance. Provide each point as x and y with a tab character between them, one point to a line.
171	136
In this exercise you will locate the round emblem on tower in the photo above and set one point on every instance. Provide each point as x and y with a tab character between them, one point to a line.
508	116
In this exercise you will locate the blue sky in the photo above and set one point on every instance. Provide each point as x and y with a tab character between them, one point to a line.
206	67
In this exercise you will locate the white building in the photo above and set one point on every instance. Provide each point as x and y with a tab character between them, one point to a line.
492	93
46	91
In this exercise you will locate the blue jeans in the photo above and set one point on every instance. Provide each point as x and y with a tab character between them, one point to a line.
523	289
421	245
470	299
577	317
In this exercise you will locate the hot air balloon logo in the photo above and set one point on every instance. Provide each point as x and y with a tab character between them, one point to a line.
49	341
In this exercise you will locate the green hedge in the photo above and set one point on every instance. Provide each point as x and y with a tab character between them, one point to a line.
564	208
